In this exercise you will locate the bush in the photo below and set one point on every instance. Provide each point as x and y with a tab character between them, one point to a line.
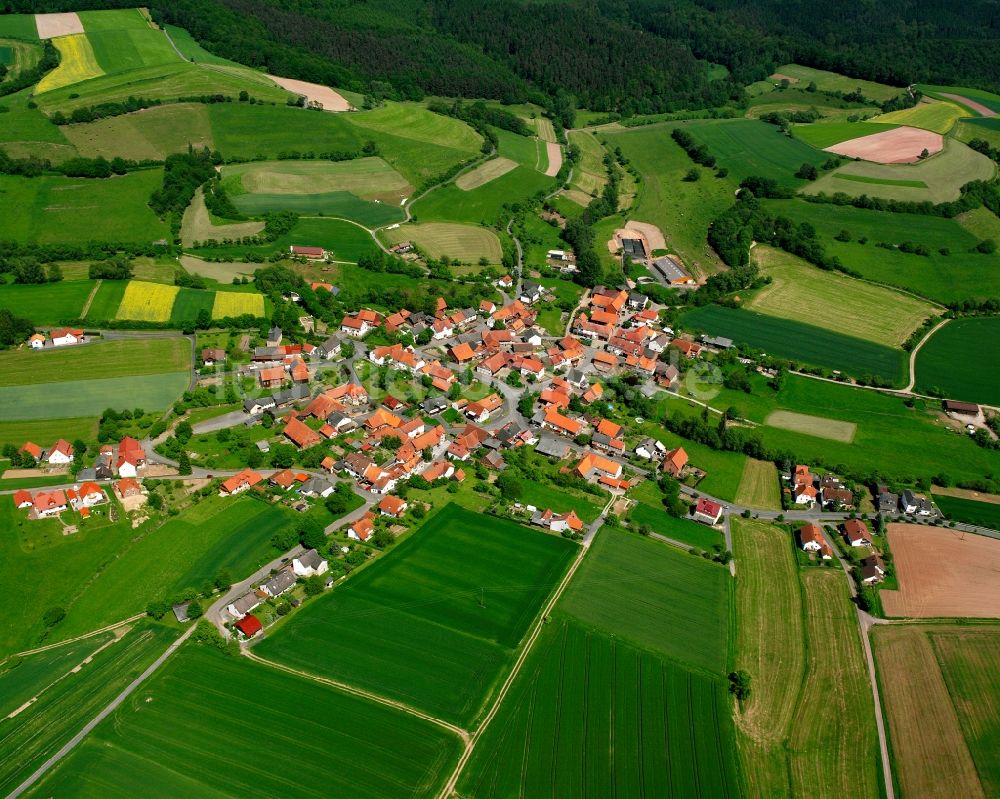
53	616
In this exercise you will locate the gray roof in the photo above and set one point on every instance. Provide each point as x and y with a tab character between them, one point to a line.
336	419
552	447
332	343
315	485
670	268
181	612
576	376
280	583
434	404
263	446
268	352
274	333
246	603
292	394
261	402
311	559
718	341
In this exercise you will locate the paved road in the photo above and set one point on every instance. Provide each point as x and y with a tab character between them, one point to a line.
107	711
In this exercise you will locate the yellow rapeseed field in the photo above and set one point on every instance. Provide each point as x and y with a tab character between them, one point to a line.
233	303
77	62
147	302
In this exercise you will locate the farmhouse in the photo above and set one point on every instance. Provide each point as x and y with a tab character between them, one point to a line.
309	253
131	457
65	336
309	563
359	324
37	341
60	453
212	355
558	522
707	512
48	503
316	487
32	449
86	495
239	483
128	487
272	377
299	434
553	420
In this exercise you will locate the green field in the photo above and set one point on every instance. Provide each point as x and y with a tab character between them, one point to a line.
684	599
193	51
36	733
591	715
909	184
58	210
123	40
983	514
47	303
366	178
379	751
437	621
970	379
545	495
930	115
805	293
344	241
979	128
957	275
333	204
980	222
943	173
795	740
759	486
826	134
17	432
466	243
686	532
107	300
589	175
18	26
483	204
834	82
89	397
989	99
799	342
155	133
101	359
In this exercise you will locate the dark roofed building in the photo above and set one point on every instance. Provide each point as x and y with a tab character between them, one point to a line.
634	247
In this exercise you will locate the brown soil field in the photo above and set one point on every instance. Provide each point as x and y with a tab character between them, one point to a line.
315	93
898	146
979	108
943	573
652	234
52	25
789	78
931	756
555	159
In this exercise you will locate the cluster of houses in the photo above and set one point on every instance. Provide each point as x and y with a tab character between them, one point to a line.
856	533
45	503
826	491
59	337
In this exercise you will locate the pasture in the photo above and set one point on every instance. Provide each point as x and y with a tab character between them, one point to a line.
970	379
38	732
484	204
436	621
759	486
942	573
812	425
944	174
192	51
154	133
798	342
484	173
135	751
930	753
832	300
591	715
684	531
971	511
59	210
367	178
825	134
413	121
123	46
77	63
46	303
724	469
589	174
78	398
933	115
466	243
834	82
117	358
981	223
978	128
197	225
233	303
684	599
147	302
18	26
344	241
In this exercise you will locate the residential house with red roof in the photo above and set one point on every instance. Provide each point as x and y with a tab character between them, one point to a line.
856	533
49	503
271	377
60	453
65	336
239	483
249	626
392	506
811	539
674	462
594	465
32	449
553	420
707	511
300	434
363	528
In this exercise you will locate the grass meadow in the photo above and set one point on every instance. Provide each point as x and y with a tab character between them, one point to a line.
560	500
47	303
684	600
759	486
835	82
483	204
592	715
155	133
21	430
589	174
685	531
77	398
193	51
119	49
796	631
345	241
18	26
979	128
369	178
984	514
100	359
106	300
379	751
436	622
465	243
38	732
724	469
970	379
980	96
799	342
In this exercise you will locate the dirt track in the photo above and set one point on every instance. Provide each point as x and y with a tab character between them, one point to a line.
899	146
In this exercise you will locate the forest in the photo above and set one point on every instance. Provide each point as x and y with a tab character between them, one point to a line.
641	56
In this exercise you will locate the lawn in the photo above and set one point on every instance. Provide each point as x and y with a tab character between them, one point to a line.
949	276
37	733
466	243
680	603
379	751
984	514
939	117
155	133
834	301
59	210
436	622
943	173
187	552
682	210
759	487
48	303
100	359
687	532
970	379
799	342
826	134
834	82
591	715
544	495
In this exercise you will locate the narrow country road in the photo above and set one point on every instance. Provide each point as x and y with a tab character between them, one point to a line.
108	710
913	355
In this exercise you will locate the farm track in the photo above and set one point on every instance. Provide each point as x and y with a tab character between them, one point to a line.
91	634
90	299
913	355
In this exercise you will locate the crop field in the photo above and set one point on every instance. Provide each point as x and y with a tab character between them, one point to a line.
759	487
979	128
189	303
233	303
825	134
118	358
18	26
49	209
910	184
436	622
77	63
834	82
943	573
929	750
970	662
38	732
985	103
682	209
413	121
18	432
813	425
944	174
333	204
106	300
829	299
984	514
48	303
939	117
135	751
799	342
148	302
344	241
687	532
155	133
750	147
684	600
187	552
484	173
971	379
123	49
219	272
465	243
590	715
368	178
957	274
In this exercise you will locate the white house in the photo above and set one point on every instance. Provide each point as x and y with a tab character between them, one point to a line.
60	453
308	563
649	449
37	341
239	608
86	495
65	336
707	512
